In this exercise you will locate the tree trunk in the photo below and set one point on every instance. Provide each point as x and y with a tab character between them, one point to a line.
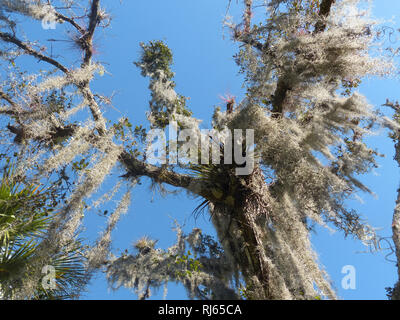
396	241
241	227
396	227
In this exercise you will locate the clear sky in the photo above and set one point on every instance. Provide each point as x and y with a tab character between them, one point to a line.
204	70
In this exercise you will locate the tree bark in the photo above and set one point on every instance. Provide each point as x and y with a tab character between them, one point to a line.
240	224
396	229
396	241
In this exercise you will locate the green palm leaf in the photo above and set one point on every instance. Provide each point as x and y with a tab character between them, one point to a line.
24	218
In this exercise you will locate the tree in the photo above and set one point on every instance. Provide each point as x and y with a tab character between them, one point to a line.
301	113
26	211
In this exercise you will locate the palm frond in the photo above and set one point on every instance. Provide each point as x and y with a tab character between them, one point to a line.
24	217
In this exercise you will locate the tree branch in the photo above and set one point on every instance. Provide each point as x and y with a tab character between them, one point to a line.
70	21
137	168
283	87
7	37
84	88
279	96
93	21
324	10
7	98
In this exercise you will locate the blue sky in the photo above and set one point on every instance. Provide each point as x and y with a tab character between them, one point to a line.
204	70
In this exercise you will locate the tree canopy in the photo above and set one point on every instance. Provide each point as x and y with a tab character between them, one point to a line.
285	158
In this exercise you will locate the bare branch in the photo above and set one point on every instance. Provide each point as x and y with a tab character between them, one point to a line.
94	20
8	111
7	37
7	98
84	88
70	21
137	168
